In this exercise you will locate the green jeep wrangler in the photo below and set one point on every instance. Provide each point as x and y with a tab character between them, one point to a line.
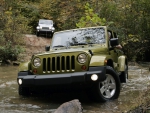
77	58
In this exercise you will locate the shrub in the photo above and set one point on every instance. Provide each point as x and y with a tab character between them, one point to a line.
10	52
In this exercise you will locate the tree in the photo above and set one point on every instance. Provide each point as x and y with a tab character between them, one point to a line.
136	28
90	18
130	18
14	26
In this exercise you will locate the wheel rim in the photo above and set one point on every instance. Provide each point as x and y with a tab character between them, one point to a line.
108	87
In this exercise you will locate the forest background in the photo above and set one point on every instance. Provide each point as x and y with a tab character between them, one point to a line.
129	18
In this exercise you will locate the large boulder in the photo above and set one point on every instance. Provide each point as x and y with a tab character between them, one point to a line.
73	106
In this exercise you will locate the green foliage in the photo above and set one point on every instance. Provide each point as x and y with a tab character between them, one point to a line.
136	28
9	52
90	18
64	13
13	26
130	18
31	14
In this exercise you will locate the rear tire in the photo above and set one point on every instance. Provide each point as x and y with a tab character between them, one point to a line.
124	75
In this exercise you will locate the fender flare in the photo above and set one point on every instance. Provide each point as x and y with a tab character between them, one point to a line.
97	60
24	66
121	63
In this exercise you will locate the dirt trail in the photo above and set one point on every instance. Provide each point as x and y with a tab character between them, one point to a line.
33	44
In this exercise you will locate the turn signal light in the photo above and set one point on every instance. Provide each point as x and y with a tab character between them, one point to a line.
83	67
105	62
34	71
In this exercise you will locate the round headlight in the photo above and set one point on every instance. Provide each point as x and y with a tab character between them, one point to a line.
37	62
53	28
82	58
38	27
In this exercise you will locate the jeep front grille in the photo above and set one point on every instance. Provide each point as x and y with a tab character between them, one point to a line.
59	64
45	27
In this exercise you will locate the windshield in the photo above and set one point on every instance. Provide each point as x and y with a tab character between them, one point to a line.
79	37
45	22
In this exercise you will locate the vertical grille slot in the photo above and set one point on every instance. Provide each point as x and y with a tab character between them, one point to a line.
68	63
63	63
44	64
73	62
48	64
53	64
58	63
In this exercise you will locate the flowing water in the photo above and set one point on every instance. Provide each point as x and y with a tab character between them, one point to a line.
11	102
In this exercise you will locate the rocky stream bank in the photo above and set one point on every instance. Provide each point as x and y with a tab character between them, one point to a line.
33	45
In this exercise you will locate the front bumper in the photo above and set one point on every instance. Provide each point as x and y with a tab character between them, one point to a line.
58	79
45	30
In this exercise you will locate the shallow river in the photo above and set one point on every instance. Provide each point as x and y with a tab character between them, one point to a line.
11	102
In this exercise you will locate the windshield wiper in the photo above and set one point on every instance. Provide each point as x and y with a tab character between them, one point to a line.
59	46
80	44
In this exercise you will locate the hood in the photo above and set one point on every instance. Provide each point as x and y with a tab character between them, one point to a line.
45	25
79	49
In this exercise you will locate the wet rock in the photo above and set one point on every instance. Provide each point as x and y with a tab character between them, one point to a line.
139	109
73	106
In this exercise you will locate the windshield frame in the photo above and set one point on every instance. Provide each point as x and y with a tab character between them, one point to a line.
44	21
94	34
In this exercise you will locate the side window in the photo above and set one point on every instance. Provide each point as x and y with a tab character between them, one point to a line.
112	34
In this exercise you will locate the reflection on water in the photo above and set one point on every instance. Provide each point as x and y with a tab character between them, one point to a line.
11	102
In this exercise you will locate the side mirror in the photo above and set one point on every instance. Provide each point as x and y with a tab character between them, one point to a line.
47	48
114	42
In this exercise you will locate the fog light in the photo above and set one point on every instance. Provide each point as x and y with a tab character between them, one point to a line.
94	77
20	81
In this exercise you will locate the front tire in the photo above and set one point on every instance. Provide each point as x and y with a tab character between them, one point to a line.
109	88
